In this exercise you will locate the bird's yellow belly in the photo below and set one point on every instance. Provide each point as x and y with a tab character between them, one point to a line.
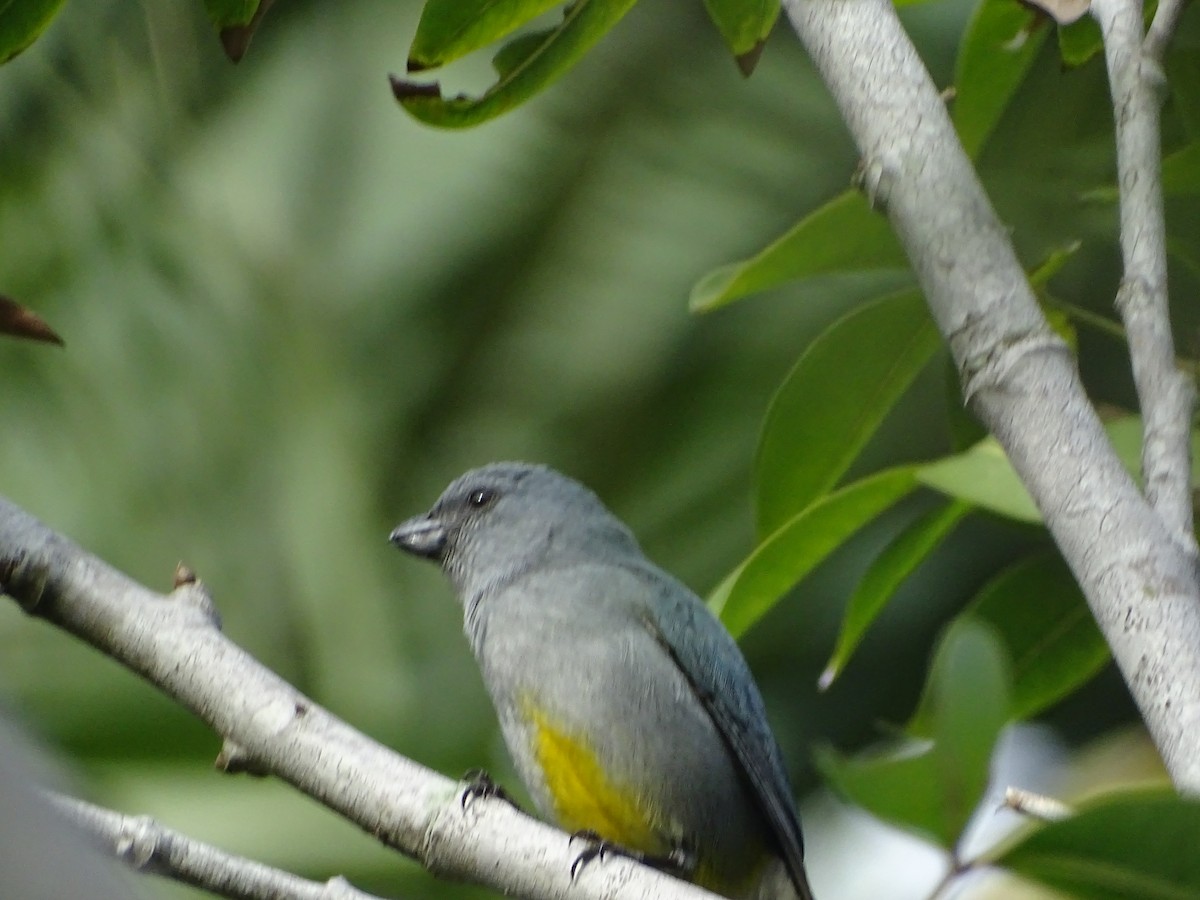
584	797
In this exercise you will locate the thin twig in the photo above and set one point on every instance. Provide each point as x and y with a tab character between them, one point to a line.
145	846
1166	394
1162	29
1036	806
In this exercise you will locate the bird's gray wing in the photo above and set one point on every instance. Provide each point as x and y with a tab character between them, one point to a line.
709	658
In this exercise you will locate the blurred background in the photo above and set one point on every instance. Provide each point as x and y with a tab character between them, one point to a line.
292	314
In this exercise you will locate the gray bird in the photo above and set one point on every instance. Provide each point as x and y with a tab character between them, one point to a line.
628	709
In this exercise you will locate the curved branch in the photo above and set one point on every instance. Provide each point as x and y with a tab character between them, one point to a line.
174	642
1139	581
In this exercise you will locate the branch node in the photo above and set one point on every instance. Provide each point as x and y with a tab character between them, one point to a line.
23	579
195	594
235	760
138	841
988	369
875	177
184	574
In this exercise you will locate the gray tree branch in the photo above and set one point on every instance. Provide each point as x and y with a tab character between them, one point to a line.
174	641
145	846
1139	579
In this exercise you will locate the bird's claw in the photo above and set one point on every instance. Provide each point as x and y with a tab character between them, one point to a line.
480	784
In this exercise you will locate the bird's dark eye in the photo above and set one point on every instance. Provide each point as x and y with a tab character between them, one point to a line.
481	497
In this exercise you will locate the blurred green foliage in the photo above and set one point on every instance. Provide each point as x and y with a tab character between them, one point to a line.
292	314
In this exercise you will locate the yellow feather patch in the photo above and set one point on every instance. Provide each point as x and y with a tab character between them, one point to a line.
584	797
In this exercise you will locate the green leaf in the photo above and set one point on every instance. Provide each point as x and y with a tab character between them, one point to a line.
898	785
1181	171
965	429
843	236
1183	80
982	476
230	13
1125	433
744	24
21	21
450	29
584	23
517	51
999	47
1053	263
1040	615
779	562
834	399
1135	844
236	21
1079	41
933	788
897	561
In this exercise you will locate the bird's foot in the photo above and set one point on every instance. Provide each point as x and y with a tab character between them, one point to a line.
479	784
679	862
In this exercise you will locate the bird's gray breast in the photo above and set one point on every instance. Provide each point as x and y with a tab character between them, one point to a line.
571	646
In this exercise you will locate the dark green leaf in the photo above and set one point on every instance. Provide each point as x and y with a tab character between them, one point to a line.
584	22
1183	81
237	23
934	787
517	51
1181	171
1136	845
21	21
834	399
1000	44
1039	613
230	13
1053	263
965	429
753	588
1079	41
450	29
897	561
744	24
845	235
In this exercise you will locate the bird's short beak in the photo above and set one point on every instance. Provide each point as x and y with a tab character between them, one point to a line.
421	535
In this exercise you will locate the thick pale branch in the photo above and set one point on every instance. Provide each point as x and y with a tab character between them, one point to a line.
1140	582
1165	393
175	643
145	846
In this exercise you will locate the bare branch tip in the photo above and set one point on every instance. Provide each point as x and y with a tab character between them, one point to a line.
1036	806
184	574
